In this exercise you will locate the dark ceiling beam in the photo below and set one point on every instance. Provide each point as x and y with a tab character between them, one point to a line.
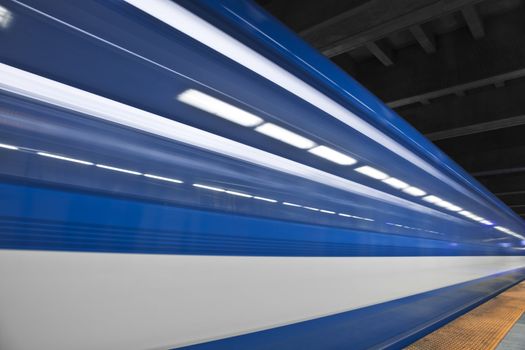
507	185
510	193
473	21
458	89
455	112
494	165
376	20
498	172
460	63
425	39
381	52
477	128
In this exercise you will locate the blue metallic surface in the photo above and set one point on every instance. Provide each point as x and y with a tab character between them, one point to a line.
105	224
114	50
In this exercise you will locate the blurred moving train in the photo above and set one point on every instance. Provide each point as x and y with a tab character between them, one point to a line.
191	174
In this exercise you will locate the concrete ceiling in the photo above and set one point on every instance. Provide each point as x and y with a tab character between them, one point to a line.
454	69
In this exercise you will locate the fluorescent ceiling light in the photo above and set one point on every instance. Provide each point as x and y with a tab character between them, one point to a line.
219	108
414	191
265	199
240	194
465	213
371	172
478	218
431	199
396	183
345	215
332	155
3	145
49	155
292	204
118	169
327	211
453	207
486	222
443	204
162	178
310	208
284	135
211	188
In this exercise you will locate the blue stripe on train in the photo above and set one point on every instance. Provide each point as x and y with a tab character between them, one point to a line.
53	219
391	325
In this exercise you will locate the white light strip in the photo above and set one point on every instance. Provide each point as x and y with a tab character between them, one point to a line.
486	222
509	232
5	17
311	208
265	199
162	178
327	211
345	215
395	183
239	194
120	170
211	188
431	199
292	204
443	204
332	155
36	87
414	191
284	135
219	108
3	145
183	20
371	172
50	155
453	207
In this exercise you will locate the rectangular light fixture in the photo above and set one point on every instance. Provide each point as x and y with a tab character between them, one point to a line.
371	172
55	156
3	145
431	199
211	188
219	108
162	178
239	194
284	135
396	183
443	204
465	213
345	215
486	222
327	211
453	207
118	169
265	199
414	191
292	204
332	155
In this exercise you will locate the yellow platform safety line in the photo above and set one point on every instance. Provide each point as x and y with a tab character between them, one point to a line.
483	328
